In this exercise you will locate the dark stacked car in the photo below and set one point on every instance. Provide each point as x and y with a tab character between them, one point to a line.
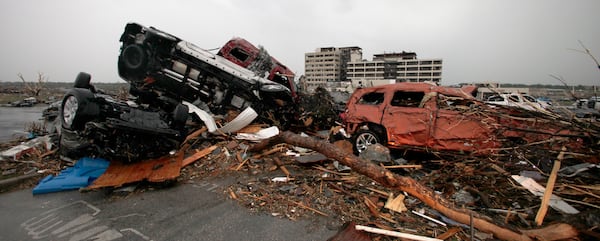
166	75
94	123
163	69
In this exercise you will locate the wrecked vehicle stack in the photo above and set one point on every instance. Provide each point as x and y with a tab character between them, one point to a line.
169	78
164	70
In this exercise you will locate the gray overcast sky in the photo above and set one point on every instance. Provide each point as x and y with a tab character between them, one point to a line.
505	41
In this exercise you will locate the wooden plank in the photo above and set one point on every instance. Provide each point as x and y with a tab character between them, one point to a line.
394	233
194	134
539	218
155	170
191	159
403	166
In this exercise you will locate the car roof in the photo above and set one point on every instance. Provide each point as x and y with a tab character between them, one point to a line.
464	92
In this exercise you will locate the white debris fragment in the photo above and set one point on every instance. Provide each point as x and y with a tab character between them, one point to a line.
538	190
260	135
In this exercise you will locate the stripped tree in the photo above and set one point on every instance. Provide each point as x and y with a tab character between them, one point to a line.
34	88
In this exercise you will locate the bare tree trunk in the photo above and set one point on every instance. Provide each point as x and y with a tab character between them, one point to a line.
414	188
34	89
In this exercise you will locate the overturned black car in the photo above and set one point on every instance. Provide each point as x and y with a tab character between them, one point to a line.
169	80
161	67
97	124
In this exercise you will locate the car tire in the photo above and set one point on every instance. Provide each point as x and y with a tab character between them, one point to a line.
363	139
76	109
134	58
83	80
180	114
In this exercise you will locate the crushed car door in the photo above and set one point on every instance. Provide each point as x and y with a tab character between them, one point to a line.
460	128
369	108
407	120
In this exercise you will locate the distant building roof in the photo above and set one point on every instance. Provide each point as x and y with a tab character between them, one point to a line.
402	55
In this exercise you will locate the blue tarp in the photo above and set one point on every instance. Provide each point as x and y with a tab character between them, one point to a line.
82	174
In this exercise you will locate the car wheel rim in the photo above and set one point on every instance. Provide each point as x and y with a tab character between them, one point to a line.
70	110
365	140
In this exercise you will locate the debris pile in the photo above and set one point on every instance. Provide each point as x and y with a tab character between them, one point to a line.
278	182
287	181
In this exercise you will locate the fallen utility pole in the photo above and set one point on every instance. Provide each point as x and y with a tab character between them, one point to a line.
416	189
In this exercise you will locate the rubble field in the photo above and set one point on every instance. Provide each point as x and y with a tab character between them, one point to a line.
296	183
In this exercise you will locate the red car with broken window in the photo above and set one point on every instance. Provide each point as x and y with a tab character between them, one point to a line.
245	54
436	118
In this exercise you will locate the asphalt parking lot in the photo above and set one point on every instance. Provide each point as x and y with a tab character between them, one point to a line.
191	211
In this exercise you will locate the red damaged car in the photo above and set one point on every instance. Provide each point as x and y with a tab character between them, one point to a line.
415	115
437	118
245	54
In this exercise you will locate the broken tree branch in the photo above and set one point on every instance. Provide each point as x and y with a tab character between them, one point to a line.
587	52
309	208
281	166
562	80
416	189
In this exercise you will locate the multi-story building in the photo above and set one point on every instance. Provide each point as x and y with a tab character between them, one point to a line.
328	64
393	68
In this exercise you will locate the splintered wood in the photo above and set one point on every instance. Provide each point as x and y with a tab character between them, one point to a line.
406	184
199	154
538	190
156	170
396	203
539	218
